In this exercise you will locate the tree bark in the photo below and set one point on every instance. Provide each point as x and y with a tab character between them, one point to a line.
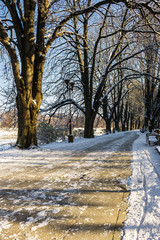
89	122
28	110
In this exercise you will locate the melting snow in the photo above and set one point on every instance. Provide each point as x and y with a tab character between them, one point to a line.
143	216
143	220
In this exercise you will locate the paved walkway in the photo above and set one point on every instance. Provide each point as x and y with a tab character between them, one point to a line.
65	195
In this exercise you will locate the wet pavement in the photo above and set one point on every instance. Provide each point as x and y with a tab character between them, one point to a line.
65	195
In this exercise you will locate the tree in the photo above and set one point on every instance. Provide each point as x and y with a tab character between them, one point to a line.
24	33
96	53
150	82
149	64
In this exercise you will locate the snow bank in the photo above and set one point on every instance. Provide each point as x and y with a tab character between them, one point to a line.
81	143
143	219
8	132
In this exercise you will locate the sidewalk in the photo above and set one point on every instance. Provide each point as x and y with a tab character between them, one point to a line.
63	194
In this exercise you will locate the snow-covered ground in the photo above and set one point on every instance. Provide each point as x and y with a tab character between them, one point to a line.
143	221
143	218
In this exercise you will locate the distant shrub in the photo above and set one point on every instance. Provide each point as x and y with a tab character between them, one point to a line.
78	132
46	133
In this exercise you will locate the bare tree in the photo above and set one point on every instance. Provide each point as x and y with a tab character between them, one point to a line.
95	57
27	31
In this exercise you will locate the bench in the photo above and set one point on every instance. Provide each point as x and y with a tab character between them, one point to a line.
155	134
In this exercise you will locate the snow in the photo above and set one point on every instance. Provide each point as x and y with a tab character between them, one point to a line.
34	102
143	220
158	148
143	215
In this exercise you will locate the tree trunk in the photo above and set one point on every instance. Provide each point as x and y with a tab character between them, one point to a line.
117	120
127	121
131	121
108	125
27	120
89	122
123	126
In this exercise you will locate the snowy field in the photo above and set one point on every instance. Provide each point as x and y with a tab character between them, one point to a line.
143	218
